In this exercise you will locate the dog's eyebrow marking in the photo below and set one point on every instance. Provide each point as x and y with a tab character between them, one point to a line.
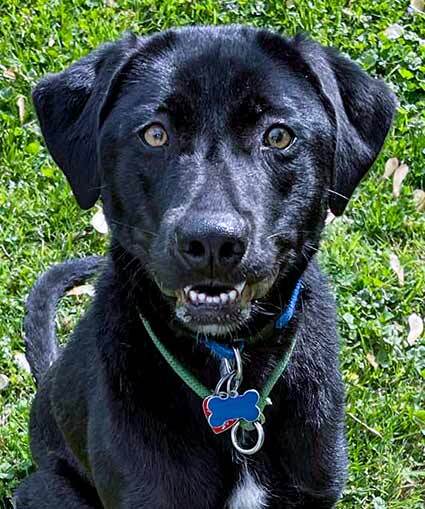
248	494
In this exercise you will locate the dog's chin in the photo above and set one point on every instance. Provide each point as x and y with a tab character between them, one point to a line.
215	321
216	309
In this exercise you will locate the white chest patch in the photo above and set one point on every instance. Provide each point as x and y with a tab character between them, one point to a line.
248	494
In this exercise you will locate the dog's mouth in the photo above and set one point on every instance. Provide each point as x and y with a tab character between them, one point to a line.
213	294
216	308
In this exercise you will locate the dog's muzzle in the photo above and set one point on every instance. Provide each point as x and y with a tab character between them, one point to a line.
215	308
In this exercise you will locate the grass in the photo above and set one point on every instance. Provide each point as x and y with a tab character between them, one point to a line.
40	223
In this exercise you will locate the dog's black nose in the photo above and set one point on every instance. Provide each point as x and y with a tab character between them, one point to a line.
218	243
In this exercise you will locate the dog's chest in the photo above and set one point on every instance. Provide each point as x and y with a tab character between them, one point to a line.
249	493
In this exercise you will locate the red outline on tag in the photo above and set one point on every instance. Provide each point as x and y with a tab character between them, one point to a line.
216	429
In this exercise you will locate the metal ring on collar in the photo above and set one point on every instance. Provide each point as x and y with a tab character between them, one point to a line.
232	385
223	380
233	389
236	365
256	447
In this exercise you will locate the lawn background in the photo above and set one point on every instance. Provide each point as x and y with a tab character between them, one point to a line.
41	224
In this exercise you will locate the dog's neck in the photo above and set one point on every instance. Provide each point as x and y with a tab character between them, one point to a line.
129	354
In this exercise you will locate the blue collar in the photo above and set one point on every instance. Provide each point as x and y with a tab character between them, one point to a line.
224	351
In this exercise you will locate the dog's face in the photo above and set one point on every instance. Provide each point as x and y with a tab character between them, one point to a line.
215	161
217	152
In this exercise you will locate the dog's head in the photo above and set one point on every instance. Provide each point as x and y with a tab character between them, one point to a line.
217	153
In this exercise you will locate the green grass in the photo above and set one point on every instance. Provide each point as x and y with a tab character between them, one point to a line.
41	224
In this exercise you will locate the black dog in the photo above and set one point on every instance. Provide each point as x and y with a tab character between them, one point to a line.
217	153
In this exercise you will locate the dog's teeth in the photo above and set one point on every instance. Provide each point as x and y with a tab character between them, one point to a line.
224	298
232	295
239	287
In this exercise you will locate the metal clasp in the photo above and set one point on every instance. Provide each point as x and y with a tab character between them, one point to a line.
233	377
235	365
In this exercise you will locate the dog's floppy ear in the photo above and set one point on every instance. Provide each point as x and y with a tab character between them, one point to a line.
362	108
68	105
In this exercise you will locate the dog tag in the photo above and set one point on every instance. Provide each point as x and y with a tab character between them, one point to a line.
225	410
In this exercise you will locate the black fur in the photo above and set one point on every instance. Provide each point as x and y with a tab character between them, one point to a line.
39	325
112	426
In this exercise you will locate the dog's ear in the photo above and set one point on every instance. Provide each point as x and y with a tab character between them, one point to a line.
362	109
68	106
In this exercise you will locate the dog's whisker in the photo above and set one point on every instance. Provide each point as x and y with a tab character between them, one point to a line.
277	234
134	227
99	188
311	247
337	194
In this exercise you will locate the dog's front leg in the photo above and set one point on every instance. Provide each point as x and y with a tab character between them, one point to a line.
49	489
161	482
151	466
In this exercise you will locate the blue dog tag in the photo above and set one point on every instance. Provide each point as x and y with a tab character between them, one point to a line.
224	412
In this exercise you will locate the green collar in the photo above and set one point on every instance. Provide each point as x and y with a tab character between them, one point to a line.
203	392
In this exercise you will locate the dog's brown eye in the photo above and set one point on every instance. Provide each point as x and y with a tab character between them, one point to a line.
278	137
155	135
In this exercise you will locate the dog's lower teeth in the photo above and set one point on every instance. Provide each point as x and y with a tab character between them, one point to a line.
202	297
193	296
232	295
224	297
209	300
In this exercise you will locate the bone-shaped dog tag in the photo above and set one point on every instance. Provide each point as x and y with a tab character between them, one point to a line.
222	412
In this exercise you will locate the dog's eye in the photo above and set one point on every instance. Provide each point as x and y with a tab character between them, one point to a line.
155	135
279	137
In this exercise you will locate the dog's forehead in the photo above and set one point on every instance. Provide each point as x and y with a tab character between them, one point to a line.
223	69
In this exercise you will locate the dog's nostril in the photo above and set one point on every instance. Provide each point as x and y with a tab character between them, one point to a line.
196	249
231	250
227	250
